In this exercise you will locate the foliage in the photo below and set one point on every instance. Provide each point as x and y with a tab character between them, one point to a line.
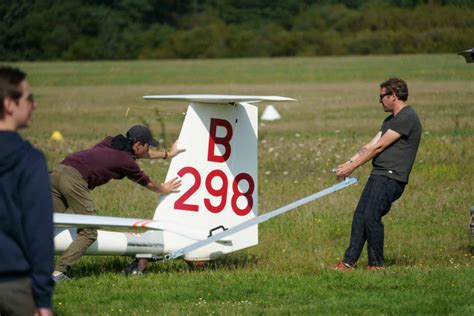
147	29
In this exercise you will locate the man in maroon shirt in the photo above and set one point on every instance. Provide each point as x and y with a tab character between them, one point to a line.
113	158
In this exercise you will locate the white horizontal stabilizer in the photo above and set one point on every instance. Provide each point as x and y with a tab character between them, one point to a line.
93	221
216	98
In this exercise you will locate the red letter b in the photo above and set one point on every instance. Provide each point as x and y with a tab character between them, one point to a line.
214	140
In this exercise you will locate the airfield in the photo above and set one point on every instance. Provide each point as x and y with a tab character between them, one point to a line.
427	243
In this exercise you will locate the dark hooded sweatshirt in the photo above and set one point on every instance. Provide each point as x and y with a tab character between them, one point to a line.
26	218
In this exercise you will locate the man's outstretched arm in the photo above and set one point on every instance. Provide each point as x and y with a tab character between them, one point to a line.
371	150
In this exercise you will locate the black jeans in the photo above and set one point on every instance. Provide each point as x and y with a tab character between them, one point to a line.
377	198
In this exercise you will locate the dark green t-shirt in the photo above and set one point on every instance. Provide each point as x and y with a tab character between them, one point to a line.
397	160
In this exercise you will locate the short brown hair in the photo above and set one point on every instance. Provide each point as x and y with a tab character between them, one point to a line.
10	79
397	86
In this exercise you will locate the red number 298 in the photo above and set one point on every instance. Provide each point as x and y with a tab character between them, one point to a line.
217	191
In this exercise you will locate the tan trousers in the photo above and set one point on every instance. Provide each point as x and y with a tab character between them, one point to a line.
16	298
70	191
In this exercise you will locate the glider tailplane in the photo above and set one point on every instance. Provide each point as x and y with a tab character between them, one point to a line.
219	177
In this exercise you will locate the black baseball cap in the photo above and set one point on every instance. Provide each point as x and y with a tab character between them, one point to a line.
142	134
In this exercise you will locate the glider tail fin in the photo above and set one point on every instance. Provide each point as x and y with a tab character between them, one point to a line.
219	175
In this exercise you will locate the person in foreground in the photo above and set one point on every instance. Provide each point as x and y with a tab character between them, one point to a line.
393	151
113	158
26	212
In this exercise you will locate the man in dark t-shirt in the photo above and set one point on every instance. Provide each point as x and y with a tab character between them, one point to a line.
113	158
393	151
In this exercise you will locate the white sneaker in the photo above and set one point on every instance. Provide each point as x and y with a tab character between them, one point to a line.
58	276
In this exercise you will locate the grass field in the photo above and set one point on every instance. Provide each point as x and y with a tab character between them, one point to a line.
428	249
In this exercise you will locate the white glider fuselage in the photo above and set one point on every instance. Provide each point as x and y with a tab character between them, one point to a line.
145	244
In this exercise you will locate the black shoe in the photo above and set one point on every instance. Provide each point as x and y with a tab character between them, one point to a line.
135	268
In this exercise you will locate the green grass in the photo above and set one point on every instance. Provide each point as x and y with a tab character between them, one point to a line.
249	71
259	291
427	247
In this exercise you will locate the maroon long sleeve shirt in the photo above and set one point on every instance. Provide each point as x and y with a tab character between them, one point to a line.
103	162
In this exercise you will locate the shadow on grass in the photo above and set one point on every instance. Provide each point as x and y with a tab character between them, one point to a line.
232	262
227	262
96	266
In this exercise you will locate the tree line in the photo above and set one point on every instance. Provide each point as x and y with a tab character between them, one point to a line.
154	29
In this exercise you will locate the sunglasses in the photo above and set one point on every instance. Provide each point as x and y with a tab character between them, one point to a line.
385	94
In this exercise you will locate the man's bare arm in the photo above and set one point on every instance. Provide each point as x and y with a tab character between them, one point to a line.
164	188
364	148
164	154
346	169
